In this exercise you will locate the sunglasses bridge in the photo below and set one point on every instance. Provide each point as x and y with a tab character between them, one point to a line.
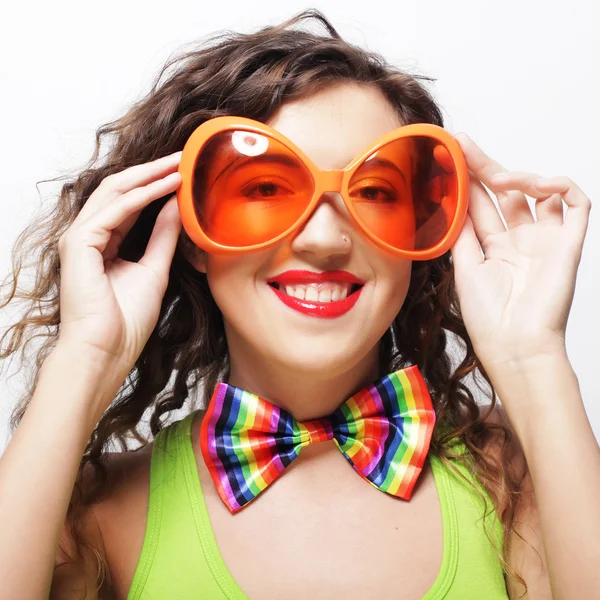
329	181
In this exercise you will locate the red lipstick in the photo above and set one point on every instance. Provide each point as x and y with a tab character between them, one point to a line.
312	277
327	310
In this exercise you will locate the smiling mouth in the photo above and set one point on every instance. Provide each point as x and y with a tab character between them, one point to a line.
322	292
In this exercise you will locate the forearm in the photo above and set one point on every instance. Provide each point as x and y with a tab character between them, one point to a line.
39	467
564	462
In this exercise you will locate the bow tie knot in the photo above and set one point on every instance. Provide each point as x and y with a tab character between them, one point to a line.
316	430
384	431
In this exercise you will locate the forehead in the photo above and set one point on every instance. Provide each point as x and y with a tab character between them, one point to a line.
335	124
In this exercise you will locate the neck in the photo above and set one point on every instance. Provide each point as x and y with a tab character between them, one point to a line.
305	393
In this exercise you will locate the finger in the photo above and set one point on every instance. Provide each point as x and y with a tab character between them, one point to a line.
129	179
118	217
513	203
485	219
578	204
525	182
549	193
550	209
547	207
466	252
163	241
514	211
111	251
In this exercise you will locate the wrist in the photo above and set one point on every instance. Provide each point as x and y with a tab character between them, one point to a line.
529	386
525	361
92	377
97	360
529	354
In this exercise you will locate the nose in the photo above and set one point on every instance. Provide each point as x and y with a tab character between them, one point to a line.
326	233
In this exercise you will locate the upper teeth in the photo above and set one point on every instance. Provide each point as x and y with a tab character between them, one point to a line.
318	292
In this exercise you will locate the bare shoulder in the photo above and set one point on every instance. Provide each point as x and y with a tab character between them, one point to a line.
524	554
112	530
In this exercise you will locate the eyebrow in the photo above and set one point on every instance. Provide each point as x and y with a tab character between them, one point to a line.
281	159
384	162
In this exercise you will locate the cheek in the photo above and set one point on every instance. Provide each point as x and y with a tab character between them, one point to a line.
232	282
394	281
226	280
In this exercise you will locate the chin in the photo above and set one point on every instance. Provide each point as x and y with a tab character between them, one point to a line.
322	360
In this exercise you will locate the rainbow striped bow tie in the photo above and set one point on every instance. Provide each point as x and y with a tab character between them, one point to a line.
384	431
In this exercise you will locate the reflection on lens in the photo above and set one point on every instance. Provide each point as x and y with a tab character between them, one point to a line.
249	143
406	193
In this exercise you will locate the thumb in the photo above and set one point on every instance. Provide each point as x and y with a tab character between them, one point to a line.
163	241
466	252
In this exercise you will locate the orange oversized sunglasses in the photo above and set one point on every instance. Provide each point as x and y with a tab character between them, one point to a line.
245	186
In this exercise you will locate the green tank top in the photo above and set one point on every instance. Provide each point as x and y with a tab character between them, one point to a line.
180	558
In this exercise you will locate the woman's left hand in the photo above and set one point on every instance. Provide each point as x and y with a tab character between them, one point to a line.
515	300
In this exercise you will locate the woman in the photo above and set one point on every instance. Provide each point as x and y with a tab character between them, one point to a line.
135	300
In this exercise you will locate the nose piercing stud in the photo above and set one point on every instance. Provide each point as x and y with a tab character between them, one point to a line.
345	238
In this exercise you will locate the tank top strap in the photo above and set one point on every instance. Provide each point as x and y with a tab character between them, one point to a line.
153	519
450	533
471	501
455	443
175	540
458	447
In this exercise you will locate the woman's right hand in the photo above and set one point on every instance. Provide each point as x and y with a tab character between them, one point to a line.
110	306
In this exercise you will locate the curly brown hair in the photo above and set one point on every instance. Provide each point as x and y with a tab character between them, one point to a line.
248	75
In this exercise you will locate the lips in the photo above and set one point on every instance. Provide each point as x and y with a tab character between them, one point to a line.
300	276
327	294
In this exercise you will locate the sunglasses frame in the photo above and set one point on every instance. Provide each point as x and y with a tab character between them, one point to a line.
325	180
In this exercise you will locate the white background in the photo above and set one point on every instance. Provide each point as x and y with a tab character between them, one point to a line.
520	77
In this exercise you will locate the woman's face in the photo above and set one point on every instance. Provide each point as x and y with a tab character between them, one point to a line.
262	329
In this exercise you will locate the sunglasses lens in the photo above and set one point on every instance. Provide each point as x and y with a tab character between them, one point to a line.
248	188
406	192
